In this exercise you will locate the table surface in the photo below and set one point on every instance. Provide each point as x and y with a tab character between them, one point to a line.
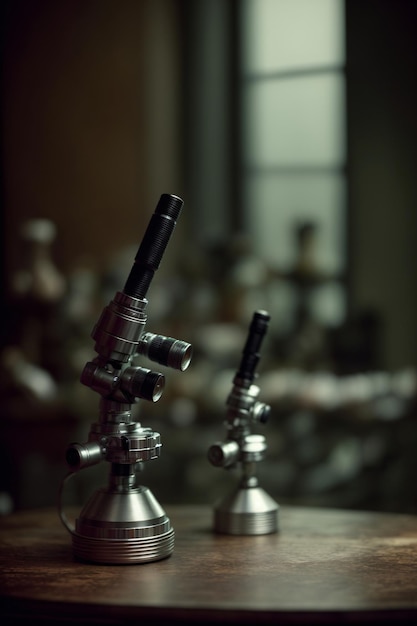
323	564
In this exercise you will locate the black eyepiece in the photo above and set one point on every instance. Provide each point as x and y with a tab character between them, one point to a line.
153	245
251	351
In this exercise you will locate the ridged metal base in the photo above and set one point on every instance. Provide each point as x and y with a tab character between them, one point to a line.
107	551
122	528
248	511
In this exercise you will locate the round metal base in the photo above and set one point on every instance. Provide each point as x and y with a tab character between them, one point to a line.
107	551
123	528
248	511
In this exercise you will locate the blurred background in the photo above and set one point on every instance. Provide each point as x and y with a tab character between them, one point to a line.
289	129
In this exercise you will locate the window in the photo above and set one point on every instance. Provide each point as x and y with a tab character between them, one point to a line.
293	176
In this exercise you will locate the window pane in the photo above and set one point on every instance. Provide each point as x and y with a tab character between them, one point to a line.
275	206
294	121
289	34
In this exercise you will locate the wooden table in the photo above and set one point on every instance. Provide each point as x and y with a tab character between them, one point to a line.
324	565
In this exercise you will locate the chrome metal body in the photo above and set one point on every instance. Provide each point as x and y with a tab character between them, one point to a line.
248	510
124	523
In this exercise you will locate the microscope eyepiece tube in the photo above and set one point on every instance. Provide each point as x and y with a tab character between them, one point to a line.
250	358
154	242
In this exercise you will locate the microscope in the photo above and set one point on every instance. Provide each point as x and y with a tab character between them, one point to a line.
123	523
248	510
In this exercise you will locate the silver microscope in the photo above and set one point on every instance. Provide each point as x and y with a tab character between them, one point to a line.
123	522
248	510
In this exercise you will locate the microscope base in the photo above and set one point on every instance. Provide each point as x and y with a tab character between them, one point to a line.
247	511
123	528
